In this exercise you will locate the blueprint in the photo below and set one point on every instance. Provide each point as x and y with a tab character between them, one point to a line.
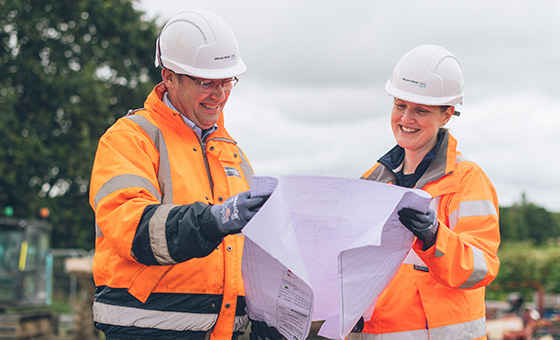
323	248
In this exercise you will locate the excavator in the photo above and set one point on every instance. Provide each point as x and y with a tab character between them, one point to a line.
26	266
27	263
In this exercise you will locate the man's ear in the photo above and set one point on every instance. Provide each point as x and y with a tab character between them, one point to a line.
168	77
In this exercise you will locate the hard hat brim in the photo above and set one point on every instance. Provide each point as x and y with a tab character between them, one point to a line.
219	73
419	99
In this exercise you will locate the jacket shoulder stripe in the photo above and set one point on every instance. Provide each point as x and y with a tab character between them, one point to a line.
246	167
461	158
164	173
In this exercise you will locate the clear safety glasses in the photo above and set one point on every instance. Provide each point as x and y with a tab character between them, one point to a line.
207	85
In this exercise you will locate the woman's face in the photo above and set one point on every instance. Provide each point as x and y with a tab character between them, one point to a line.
415	126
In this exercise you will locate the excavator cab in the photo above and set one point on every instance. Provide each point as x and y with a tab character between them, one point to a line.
25	280
25	263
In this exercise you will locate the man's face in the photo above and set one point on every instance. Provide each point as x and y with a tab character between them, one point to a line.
203	107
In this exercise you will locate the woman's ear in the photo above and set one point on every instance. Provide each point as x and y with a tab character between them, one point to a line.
447	114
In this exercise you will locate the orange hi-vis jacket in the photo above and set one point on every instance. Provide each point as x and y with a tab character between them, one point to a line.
443	297
160	266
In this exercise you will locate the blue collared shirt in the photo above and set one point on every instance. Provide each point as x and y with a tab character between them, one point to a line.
201	133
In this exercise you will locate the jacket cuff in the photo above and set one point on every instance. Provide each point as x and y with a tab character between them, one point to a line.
209	225
435	251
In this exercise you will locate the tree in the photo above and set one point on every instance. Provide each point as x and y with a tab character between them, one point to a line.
526	270
68	69
512	224
526	221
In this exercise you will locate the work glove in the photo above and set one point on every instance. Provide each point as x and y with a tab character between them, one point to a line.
423	225
232	215
261	331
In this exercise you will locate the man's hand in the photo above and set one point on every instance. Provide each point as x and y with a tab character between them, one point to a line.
236	211
261	331
423	225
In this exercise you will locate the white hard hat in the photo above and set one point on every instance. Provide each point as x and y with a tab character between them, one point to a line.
201	44
429	75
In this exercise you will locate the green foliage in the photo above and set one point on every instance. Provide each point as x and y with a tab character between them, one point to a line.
525	268
68	69
529	252
526	221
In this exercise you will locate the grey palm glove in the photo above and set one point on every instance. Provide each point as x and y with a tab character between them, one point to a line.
232	215
423	225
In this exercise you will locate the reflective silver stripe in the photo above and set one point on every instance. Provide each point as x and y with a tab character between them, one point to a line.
121	182
176	321
129	316
164	173
479	271
421	334
434	203
467	330
158	239
125	181
223	140
461	158
471	208
246	168
462	331
98	232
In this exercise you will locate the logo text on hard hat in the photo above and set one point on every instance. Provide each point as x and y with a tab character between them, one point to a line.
414	82
226	57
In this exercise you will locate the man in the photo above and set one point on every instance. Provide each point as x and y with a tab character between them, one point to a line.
169	188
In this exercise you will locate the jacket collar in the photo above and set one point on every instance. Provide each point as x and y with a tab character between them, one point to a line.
154	103
441	165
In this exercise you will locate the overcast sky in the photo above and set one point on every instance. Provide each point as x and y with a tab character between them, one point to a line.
313	102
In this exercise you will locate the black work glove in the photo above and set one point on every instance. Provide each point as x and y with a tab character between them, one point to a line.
359	326
261	331
423	225
232	215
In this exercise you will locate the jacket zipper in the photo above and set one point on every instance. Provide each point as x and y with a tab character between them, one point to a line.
205	156
203	144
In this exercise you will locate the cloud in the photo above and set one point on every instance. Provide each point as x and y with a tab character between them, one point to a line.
312	100
278	143
513	138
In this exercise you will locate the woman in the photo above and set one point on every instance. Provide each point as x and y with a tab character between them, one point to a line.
438	293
